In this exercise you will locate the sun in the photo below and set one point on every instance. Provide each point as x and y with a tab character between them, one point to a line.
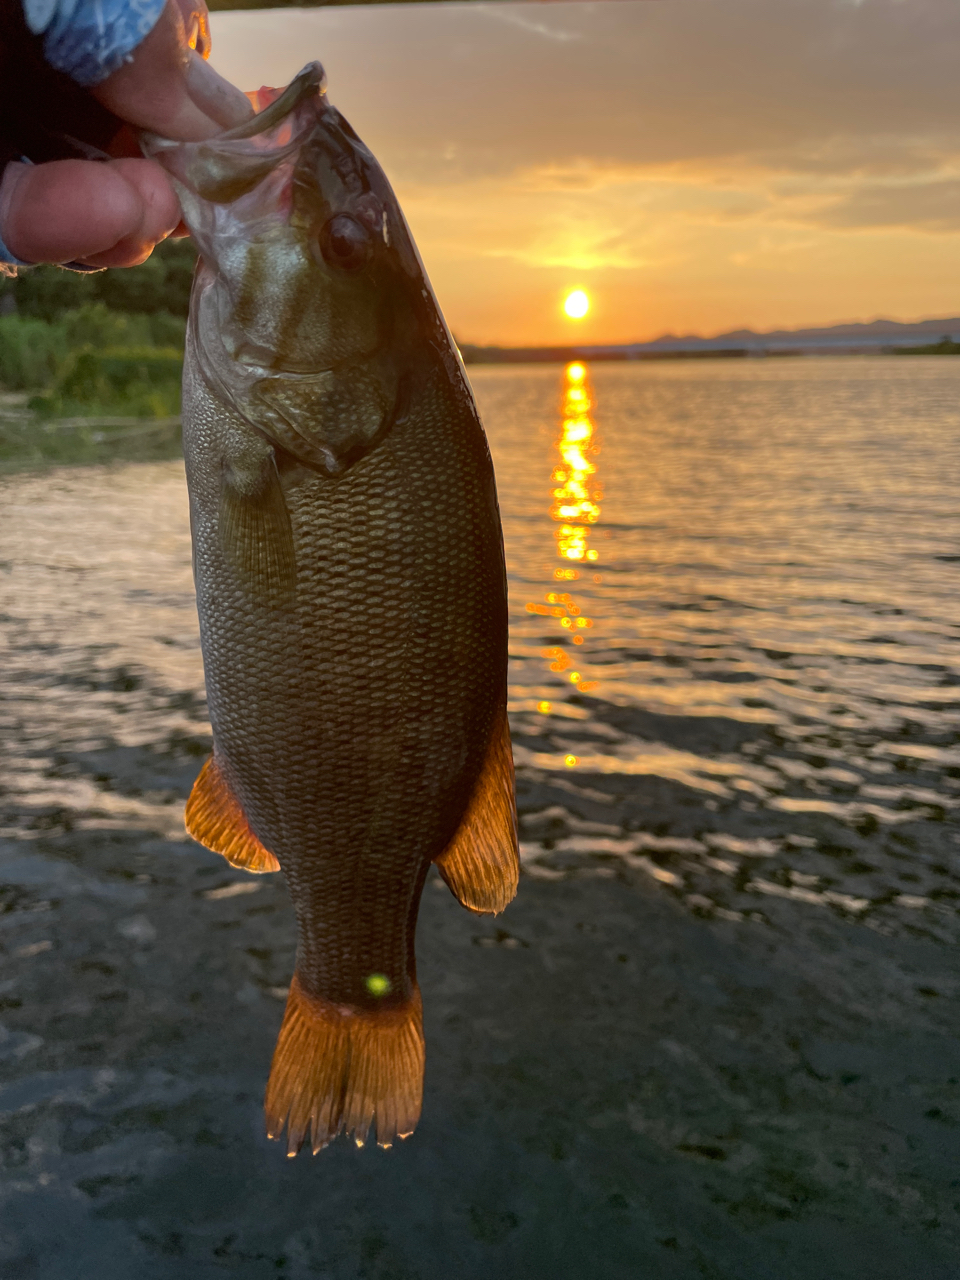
576	304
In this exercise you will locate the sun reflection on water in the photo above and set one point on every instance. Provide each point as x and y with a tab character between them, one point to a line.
575	508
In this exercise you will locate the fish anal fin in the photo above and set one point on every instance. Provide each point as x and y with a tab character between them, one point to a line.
481	865
335	1069
256	534
215	818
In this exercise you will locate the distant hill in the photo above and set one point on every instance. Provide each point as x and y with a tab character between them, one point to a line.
877	336
878	333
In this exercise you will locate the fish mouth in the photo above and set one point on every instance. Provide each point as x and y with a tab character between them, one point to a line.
311	82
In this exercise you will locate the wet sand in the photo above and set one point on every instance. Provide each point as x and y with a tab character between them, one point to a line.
614	1088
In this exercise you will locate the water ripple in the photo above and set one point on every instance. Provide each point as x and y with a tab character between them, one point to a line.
747	698
774	641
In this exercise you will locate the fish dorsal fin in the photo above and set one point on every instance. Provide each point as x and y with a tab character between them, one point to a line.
481	864
215	818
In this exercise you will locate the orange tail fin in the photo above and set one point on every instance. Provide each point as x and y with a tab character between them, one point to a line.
335	1069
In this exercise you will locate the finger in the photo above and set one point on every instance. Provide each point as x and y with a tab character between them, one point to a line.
105	214
215	97
159	214
168	87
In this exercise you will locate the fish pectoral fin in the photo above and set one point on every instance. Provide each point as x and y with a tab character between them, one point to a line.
256	534
481	864
340	1069
215	818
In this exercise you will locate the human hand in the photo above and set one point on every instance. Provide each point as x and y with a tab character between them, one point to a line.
112	213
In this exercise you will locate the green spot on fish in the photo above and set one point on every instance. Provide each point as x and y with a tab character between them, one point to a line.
378	984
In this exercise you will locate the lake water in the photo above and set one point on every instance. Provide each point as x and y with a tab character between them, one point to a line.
775	621
772	621
735	684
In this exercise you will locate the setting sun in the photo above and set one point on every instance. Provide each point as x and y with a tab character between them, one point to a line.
576	304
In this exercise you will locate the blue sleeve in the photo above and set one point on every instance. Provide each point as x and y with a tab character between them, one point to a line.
8	262
90	39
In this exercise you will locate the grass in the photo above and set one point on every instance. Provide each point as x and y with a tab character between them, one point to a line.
27	443
141	381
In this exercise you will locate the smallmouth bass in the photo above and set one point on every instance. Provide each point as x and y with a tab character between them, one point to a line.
351	590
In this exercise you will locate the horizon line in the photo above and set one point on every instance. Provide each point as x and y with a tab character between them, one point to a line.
725	333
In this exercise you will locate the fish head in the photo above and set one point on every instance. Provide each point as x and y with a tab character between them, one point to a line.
311	314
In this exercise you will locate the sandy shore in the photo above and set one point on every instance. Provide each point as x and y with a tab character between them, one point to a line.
615	1088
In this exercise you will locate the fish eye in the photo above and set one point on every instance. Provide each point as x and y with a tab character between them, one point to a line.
345	244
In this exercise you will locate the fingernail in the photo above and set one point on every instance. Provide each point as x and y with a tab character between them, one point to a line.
198	33
216	97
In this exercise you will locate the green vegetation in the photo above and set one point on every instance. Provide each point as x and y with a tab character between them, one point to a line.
945	347
90	365
31	352
161	284
94	361
141	381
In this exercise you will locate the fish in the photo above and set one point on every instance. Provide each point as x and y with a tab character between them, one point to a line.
351	590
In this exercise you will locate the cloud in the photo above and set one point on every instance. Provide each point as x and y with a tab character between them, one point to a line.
797	85
643	81
705	163
514	18
917	206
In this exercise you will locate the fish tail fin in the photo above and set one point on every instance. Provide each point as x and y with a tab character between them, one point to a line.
481	864
336	1069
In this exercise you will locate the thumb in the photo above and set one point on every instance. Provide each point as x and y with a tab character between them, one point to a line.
168	87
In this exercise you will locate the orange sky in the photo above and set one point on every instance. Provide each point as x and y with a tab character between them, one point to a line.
695	165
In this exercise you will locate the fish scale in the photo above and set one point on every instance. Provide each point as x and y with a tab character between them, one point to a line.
352	595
